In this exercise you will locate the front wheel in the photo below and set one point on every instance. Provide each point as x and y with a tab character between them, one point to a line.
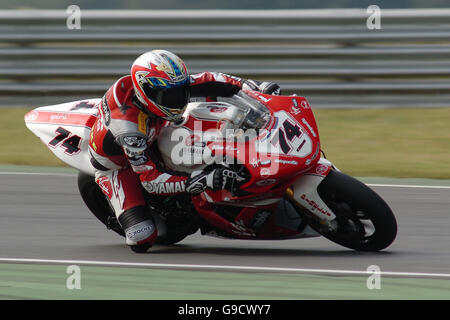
363	219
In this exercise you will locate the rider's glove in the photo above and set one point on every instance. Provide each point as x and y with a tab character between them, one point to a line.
217	179
263	87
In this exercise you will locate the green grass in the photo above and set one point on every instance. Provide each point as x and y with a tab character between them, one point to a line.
36	281
410	143
387	142
20	146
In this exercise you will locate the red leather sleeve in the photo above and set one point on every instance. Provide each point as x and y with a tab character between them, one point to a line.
159	180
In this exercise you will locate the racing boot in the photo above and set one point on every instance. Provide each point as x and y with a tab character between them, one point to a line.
140	229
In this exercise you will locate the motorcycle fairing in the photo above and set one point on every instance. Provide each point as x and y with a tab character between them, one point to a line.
65	129
305	190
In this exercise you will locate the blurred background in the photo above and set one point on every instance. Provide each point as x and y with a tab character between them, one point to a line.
328	55
214	4
322	50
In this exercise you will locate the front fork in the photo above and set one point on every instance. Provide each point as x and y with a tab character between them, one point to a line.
304	194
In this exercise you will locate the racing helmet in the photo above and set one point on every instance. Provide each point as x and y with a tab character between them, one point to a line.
161	83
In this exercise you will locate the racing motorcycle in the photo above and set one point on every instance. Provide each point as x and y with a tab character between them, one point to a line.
287	190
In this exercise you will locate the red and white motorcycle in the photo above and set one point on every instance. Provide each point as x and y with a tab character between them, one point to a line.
290	190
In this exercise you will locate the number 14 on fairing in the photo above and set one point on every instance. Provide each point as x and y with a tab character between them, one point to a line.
291	137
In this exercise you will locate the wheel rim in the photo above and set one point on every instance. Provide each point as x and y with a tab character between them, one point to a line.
354	222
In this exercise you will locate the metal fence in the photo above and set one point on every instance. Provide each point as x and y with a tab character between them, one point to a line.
329	56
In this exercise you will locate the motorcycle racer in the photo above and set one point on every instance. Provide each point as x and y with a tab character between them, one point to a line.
131	115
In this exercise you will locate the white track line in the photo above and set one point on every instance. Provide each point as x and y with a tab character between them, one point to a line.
38	173
223	267
407	186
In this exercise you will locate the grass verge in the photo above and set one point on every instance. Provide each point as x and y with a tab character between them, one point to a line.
403	143
36	281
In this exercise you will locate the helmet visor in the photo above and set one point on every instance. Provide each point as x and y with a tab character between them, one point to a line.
172	98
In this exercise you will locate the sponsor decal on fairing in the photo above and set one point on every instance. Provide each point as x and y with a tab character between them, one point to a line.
266	182
295	109
321	169
31	116
240	229
282	161
314	206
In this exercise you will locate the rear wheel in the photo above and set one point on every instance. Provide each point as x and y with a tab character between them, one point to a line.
363	219
172	238
179	222
96	201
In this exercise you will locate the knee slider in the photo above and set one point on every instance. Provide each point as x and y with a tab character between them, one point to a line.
138	225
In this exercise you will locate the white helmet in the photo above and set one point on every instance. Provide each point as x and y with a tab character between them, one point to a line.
161	83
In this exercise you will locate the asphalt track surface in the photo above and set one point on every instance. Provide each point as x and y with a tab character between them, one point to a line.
43	217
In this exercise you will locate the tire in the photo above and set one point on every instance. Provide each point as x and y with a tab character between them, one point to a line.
364	220
96	201
171	238
179	226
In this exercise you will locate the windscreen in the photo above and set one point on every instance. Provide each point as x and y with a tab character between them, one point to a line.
256	116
